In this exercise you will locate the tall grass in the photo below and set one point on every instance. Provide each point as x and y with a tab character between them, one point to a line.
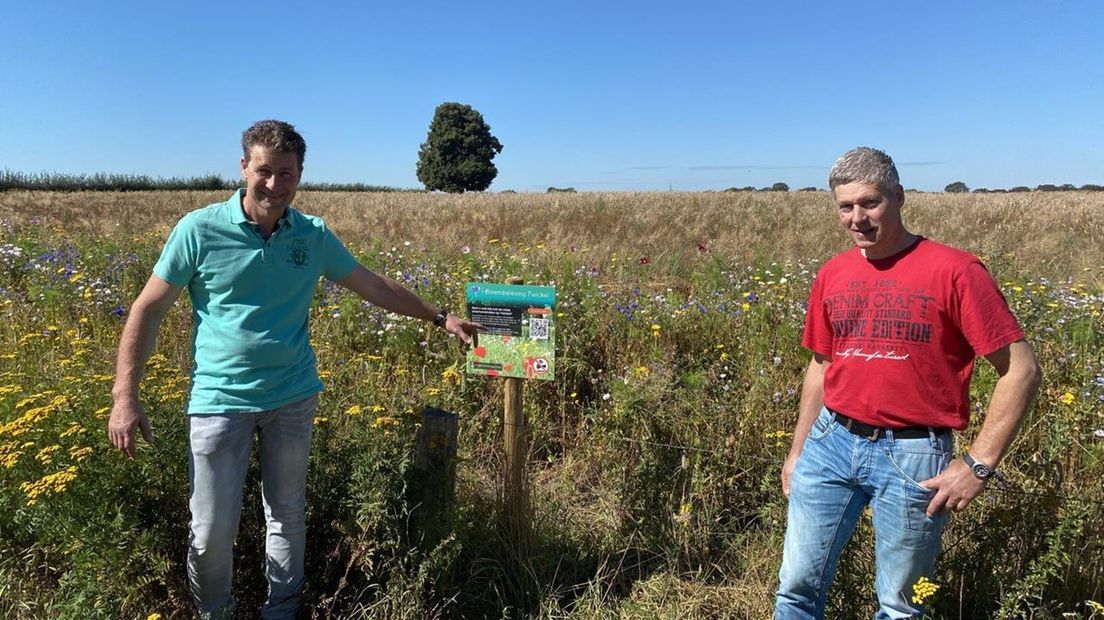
655	454
1053	234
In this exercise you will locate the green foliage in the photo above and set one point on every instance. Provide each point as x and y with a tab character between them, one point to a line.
1046	569
958	187
777	187
54	181
104	182
456	156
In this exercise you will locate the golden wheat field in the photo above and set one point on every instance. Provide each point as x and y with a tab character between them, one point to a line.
1052	234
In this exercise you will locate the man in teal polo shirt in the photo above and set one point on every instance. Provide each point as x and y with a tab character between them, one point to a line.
251	266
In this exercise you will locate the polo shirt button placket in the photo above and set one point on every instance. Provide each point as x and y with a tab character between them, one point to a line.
264	244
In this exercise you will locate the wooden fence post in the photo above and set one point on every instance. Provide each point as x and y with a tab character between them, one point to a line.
515	435
434	485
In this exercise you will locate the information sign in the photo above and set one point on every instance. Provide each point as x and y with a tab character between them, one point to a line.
519	339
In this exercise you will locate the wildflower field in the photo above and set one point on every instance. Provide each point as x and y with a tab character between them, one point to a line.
654	456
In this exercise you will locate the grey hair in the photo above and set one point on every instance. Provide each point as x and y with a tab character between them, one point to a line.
864	165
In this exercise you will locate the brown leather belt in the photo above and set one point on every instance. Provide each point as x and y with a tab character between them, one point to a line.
862	429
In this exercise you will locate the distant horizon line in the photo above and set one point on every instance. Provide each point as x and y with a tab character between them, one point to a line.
107	181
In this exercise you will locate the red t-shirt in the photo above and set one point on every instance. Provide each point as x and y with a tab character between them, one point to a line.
903	332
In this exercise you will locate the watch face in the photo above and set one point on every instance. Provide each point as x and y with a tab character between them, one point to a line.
982	471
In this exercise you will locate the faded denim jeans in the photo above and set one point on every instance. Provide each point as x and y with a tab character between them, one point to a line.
220	448
835	477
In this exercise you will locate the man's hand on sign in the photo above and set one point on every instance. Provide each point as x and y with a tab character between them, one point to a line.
466	331
954	488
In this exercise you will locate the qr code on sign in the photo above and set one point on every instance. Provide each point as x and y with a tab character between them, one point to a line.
538	329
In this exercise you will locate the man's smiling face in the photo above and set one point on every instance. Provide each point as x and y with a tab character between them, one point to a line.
271	179
872	217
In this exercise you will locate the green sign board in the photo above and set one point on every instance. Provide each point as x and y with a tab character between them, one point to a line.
519	339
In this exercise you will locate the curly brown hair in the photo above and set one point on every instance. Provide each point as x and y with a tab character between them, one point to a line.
276	135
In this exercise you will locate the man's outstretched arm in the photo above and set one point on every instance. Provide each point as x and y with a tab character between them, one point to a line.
390	295
139	335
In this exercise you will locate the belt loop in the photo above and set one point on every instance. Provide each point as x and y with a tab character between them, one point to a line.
889	435
933	437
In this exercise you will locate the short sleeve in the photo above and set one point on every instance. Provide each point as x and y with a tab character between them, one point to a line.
982	313
338	262
180	256
818	334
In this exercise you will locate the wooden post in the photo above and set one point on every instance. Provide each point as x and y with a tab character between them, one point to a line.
515	436
435	453
434	486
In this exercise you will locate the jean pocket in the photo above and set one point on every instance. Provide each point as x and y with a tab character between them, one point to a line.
916	463
914	506
823	426
216	433
911	467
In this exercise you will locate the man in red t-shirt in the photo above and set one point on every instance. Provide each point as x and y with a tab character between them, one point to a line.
895	325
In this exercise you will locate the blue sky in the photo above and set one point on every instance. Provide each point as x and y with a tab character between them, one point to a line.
602	96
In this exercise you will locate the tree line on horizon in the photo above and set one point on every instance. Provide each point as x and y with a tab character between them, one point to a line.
114	182
959	187
456	157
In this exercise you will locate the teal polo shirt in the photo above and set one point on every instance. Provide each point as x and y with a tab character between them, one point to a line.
251	298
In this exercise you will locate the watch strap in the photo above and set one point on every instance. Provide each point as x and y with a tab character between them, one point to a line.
981	470
440	318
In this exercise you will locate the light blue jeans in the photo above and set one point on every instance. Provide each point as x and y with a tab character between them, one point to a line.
839	473
220	447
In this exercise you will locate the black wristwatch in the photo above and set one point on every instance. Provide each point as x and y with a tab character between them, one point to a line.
440	318
981	470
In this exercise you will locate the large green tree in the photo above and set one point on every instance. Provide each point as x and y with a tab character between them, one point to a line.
456	156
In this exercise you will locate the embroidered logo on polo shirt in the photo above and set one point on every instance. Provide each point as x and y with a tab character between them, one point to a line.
300	255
